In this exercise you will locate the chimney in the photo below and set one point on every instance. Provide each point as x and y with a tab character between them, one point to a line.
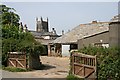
68	30
21	23
62	32
47	19
53	30
36	18
21	26
41	19
25	28
94	21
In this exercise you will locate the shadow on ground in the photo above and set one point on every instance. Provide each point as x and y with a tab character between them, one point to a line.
47	67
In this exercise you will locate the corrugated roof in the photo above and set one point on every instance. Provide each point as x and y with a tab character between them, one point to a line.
81	31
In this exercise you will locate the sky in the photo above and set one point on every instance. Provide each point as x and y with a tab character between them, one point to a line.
60	0
64	15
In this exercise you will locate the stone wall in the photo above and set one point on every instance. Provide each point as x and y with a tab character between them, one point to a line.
114	34
94	39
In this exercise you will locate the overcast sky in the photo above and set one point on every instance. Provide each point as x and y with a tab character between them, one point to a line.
64	15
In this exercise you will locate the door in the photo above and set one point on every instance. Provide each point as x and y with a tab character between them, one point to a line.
65	50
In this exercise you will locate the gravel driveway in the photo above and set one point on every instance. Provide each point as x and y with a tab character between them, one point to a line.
56	67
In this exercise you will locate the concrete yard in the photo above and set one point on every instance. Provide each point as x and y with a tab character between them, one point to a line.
55	67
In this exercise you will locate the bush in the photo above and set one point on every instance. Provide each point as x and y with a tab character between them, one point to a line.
108	60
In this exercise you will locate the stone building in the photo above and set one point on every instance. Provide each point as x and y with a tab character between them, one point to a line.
100	34
42	26
96	35
107	38
74	39
42	33
114	34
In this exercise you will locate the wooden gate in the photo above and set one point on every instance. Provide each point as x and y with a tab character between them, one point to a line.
84	66
17	59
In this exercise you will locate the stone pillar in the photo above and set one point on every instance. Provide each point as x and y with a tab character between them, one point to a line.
114	34
80	44
49	50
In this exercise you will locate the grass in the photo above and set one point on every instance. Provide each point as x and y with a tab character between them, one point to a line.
0	66
72	77
14	69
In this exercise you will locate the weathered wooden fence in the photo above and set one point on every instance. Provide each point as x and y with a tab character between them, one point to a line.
83	66
17	59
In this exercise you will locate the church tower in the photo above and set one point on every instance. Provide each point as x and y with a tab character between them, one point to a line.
42	26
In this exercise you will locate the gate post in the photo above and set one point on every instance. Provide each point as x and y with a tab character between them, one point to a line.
96	71
71	67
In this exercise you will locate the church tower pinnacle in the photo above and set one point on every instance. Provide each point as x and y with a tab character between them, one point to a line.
41	25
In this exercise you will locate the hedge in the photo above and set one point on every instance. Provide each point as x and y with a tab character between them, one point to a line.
108	61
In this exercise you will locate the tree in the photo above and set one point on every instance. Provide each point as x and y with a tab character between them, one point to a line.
8	16
14	39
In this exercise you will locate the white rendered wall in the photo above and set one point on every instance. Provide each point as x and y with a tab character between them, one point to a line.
65	50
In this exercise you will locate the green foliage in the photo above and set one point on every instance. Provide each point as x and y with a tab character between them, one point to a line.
108	60
13	39
8	16
14	69
25	43
10	31
9	25
72	77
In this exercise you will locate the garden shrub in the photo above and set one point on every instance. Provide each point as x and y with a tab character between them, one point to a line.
108	61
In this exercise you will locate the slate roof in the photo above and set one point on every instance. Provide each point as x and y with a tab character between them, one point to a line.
81	31
40	34
49	33
44	41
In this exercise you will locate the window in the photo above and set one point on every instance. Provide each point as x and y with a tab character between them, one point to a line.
105	45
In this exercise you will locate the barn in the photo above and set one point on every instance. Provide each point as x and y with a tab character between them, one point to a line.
100	34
